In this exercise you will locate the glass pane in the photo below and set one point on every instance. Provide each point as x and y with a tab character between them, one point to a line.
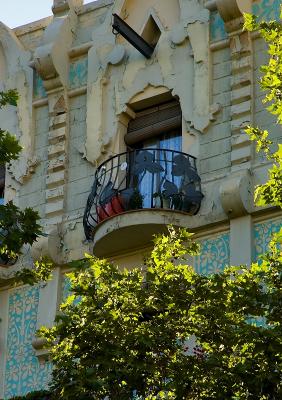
150	184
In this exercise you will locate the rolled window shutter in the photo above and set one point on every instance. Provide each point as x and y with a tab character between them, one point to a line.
153	122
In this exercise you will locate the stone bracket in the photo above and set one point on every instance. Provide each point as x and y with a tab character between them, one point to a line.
236	194
51	60
232	11
41	352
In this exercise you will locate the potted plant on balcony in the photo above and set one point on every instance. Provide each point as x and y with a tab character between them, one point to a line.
136	200
111	203
161	201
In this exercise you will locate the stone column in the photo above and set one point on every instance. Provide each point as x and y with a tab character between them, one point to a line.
231	12
51	62
237	190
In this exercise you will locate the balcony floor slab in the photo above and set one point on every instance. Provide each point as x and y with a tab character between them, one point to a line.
133	230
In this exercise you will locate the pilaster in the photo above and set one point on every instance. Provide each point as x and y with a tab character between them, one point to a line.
240	42
241	98
49	296
241	241
51	61
57	156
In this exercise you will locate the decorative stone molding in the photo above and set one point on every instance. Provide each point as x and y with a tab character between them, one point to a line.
60	6
231	11
41	352
48	245
114	78
51	59
241	93
236	194
117	55
57	158
178	35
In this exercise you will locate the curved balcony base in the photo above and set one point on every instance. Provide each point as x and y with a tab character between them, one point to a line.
133	230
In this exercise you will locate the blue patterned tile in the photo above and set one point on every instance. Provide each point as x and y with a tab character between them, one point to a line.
263	232
215	254
23	372
217	28
78	73
38	87
267	9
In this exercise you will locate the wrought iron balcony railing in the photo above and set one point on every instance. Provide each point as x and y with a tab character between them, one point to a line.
143	179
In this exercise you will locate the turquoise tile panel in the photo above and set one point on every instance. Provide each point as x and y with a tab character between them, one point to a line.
38	87
23	372
217	28
78	73
263	232
66	288
215	254
267	9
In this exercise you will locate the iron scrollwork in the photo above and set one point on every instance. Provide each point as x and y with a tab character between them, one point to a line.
143	178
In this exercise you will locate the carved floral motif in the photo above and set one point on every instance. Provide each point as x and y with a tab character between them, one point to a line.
215	254
24	373
263	232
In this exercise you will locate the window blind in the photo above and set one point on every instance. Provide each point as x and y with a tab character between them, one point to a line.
153	122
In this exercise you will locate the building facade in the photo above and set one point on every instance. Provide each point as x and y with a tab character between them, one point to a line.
127	128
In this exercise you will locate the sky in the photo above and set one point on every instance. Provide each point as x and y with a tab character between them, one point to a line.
19	12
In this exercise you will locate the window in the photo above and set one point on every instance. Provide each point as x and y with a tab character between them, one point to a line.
2	183
157	131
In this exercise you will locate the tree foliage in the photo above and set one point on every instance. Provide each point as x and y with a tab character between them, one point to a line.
38	395
124	333
17	227
271	83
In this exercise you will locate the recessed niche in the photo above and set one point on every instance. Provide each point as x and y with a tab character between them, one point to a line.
151	32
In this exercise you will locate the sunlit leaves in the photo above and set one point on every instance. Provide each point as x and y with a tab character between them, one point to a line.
9	147
17	227
10	97
123	333
271	84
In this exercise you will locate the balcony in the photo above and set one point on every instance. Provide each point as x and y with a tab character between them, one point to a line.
154	182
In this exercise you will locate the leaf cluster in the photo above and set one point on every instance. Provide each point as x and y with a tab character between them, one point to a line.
9	147
271	83
10	97
40	272
17	227
125	333
38	395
